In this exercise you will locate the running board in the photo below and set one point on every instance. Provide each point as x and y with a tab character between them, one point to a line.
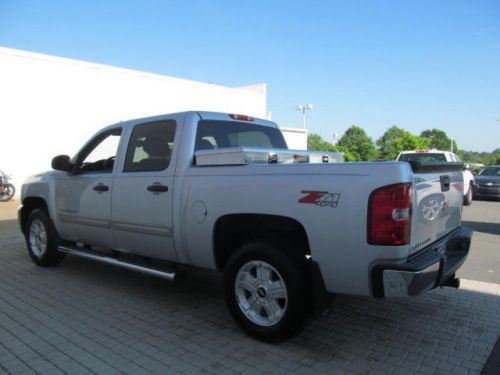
168	275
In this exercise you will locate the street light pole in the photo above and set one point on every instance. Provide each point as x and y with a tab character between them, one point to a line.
303	108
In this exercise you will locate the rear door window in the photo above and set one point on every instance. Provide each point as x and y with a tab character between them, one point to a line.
150	146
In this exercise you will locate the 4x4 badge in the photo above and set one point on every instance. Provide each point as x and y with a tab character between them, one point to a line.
320	198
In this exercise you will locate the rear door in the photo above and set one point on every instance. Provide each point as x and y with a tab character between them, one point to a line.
143	191
437	202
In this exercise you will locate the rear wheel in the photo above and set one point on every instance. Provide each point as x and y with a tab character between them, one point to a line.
265	292
468	197
42	239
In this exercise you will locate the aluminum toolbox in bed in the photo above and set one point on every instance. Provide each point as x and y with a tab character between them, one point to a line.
249	156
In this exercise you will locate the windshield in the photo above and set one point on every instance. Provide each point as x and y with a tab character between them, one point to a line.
427	156
490	171
223	134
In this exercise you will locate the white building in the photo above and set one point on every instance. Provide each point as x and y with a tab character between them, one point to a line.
296	138
51	105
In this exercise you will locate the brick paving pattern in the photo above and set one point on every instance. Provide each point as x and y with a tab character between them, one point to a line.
87	318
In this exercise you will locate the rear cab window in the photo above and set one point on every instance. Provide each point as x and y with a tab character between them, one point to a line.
213	134
427	156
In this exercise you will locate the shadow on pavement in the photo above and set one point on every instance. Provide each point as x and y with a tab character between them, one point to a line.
9	229
490	228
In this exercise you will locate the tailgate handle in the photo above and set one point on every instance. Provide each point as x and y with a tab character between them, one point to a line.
445	183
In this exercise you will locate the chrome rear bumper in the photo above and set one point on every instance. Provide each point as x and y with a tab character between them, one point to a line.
429	268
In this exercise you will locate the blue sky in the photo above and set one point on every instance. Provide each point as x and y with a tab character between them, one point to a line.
414	64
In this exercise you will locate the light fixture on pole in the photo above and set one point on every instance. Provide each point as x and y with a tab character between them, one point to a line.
335	137
303	108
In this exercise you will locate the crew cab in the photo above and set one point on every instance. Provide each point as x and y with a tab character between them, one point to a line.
219	191
448	156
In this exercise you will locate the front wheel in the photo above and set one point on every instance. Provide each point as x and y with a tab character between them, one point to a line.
7	193
265	292
42	239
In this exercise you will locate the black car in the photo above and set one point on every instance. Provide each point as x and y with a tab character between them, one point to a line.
488	182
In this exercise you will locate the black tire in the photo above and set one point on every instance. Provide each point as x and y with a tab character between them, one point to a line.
284	271
42	239
8	193
468	197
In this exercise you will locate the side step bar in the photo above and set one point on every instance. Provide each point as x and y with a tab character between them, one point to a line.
168	275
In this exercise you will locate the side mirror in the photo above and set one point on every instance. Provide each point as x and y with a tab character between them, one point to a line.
62	163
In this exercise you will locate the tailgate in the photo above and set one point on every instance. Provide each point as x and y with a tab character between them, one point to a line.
437	201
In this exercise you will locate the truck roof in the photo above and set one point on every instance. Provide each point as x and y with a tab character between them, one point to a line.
204	115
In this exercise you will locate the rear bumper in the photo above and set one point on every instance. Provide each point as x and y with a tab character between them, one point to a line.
427	269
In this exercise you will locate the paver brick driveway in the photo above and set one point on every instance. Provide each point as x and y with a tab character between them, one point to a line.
83	317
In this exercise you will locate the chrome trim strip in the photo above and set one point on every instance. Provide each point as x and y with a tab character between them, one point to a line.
115	262
143	229
72	219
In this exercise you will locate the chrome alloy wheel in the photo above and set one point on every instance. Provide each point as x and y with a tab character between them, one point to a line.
261	293
38	238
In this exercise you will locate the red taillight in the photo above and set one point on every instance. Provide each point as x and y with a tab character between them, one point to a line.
389	215
241	117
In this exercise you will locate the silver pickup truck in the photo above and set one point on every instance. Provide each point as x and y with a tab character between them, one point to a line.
221	191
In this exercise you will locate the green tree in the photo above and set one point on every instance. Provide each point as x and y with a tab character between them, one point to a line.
395	140
471	157
316	143
492	158
489	158
438	139
359	144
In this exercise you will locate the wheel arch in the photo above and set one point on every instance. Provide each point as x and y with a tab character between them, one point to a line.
28	205
233	230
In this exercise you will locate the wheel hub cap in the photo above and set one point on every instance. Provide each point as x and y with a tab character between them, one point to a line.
261	293
38	238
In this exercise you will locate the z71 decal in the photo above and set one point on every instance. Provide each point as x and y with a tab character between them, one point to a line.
320	198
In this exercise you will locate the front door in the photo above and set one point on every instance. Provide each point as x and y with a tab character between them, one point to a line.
143	190
83	198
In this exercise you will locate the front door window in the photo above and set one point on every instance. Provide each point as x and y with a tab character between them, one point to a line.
99	156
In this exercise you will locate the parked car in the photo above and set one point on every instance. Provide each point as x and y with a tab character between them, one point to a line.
488	182
222	191
440	156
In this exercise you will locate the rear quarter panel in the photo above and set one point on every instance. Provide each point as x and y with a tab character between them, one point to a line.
337	235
